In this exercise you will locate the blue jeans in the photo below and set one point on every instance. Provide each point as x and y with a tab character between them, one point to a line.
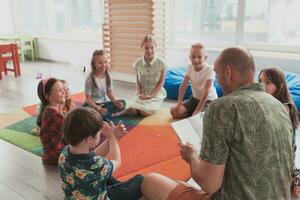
111	108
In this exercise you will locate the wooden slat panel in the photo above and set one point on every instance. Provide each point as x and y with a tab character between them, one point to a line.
158	1
128	41
132	19
137	18
126	47
134	54
124	58
129	6
129	21
126	12
127	36
124	68
131	30
128	63
128	1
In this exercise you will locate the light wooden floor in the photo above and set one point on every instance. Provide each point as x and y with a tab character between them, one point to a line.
22	175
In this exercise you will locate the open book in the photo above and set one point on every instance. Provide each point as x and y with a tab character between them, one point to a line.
190	130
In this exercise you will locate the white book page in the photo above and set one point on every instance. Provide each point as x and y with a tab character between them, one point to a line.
190	130
197	124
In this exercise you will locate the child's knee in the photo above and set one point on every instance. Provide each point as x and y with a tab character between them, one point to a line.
175	112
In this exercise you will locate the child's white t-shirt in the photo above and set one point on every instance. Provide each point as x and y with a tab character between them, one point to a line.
198	78
101	83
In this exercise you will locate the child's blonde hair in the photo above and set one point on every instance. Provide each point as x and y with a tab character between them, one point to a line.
198	45
148	38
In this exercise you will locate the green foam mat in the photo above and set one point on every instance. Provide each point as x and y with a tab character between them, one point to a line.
24	126
23	140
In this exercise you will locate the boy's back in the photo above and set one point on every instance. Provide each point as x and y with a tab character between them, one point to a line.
84	175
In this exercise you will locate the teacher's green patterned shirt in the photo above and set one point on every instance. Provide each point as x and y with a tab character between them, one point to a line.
249	132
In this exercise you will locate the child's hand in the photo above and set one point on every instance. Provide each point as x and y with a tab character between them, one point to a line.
119	130
144	97
196	112
101	110
141	96
107	130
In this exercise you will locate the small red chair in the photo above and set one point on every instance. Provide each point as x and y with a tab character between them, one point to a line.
9	52
1	66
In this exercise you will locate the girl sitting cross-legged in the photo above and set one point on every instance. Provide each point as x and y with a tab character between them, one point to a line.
98	86
150	76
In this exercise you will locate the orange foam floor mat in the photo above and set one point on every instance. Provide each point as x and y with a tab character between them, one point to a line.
152	148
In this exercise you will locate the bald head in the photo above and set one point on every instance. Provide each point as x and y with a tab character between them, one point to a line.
238	59
234	67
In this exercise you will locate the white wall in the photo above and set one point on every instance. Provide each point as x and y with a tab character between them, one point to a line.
180	57
75	52
78	53
6	21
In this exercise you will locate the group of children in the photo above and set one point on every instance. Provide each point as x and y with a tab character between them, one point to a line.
84	170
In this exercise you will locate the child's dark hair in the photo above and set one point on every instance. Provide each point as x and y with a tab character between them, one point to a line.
276	76
44	89
93	61
80	124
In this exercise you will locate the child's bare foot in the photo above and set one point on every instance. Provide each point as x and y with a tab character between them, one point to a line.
122	112
36	131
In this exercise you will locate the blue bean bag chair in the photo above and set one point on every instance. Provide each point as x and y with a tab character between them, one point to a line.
175	75
293	83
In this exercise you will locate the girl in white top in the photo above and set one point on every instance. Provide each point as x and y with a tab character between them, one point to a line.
201	76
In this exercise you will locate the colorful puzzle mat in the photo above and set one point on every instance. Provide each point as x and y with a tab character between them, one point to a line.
151	145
